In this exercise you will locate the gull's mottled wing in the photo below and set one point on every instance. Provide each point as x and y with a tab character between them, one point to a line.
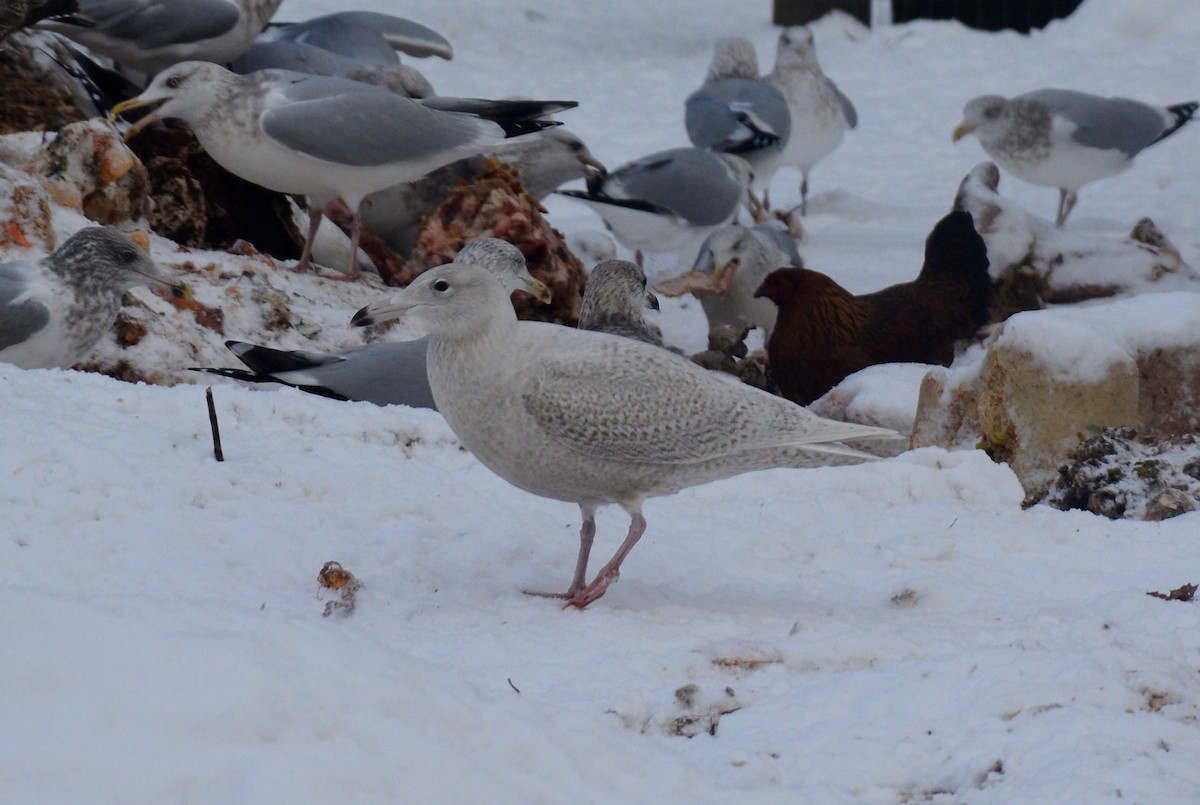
847	107
659	407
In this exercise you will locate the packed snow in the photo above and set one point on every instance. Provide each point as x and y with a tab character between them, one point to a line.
902	631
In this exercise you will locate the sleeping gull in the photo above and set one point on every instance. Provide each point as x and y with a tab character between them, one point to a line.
820	113
543	161
737	112
360	45
1065	139
669	200
367	37
151	35
732	263
391	373
331	139
54	310
615	301
593	418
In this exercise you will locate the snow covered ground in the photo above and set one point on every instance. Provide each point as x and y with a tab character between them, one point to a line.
898	632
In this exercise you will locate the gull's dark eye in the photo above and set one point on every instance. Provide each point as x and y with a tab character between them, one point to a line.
128	256
174	81
441	286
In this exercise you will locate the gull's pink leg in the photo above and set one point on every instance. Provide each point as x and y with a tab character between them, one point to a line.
586	535
314	222
338	208
355	235
1066	203
612	571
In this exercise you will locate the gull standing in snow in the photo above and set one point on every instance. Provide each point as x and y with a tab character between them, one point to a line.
670	200
360	45
593	418
820	113
54	310
151	35
732	263
332	139
615	301
736	111
385	374
1066	139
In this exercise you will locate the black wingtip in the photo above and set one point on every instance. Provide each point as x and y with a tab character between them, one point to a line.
515	128
628	203
1182	112
362	318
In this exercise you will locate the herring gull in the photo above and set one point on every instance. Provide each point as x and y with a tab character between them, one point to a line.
615	301
669	200
735	111
820	112
54	310
391	373
593	418
332	139
1066	139
151	35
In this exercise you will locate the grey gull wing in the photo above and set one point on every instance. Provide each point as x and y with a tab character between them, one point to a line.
1121	123
20	318
155	23
302	126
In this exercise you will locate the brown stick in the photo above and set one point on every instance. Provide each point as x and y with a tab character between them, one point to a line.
212	421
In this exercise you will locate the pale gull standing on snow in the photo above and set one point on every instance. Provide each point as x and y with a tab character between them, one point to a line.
593	418
390	373
732	263
820	113
1066	139
54	310
615	300
151	35
670	200
332	139
736	111
543	162
360	45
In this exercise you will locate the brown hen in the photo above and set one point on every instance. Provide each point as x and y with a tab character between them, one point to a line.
825	333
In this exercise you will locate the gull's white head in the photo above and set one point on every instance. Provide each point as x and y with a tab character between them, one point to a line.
985	117
188	91
452	303
795	48
456	300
